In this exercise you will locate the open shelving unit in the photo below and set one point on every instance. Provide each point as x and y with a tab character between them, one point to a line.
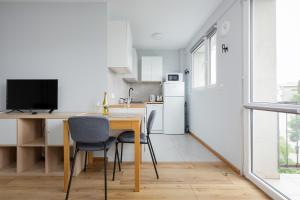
31	132
32	152
55	161
31	160
8	160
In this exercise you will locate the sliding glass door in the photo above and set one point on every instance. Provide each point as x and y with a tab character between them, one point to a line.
273	154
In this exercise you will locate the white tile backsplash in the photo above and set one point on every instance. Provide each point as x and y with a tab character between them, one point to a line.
142	91
117	87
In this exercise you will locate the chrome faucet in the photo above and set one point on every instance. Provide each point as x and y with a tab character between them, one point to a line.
129	95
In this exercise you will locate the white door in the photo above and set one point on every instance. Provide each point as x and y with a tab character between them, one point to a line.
158	120
174	115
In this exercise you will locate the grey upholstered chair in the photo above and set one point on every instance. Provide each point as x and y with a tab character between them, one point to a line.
128	137
90	134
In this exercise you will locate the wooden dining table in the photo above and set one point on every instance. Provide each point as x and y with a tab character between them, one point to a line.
116	122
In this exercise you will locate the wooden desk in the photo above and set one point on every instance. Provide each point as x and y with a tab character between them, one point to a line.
116	122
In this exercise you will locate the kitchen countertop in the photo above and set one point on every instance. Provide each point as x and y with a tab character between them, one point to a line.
134	105
125	105
154	102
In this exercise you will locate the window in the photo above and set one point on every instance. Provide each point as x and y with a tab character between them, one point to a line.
204	59
199	69
274	129
276	71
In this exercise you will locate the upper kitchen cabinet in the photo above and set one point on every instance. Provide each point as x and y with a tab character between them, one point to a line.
133	76
152	68
119	41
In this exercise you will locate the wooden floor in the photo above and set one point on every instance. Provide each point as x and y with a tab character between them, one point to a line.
178	181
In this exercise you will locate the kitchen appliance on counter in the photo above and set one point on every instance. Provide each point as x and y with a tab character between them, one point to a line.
152	98
174	77
173	107
159	98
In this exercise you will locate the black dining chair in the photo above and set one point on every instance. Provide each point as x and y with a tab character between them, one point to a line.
128	137
90	134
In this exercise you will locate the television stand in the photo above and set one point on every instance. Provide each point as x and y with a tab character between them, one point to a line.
15	110
50	111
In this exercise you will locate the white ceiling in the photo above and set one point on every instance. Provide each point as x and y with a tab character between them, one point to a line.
177	20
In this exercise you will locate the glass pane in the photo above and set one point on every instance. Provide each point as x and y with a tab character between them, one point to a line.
275	151
199	67
276	63
213	59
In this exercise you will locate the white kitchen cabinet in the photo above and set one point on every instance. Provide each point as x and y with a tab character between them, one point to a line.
157	69
158	120
55	132
133	76
152	68
8	132
146	69
119	47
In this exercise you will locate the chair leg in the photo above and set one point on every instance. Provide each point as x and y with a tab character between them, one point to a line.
153	162
152	153
114	171
149	140
85	161
105	173
71	175
121	152
118	157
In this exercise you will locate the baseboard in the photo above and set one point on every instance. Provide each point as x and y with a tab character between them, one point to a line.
235	169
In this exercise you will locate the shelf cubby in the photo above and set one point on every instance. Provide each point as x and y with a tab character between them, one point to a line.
31	132
55	161
31	160
8	159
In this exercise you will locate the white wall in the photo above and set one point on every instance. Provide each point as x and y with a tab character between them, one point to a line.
117	87
65	41
215	113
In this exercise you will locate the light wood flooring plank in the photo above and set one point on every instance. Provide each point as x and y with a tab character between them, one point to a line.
178	181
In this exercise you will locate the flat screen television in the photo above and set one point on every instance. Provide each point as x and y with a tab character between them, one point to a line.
33	94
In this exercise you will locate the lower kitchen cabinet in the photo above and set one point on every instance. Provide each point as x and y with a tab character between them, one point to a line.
158	125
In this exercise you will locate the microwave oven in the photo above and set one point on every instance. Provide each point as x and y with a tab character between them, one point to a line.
174	77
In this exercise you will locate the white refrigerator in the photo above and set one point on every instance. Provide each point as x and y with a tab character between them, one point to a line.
173	107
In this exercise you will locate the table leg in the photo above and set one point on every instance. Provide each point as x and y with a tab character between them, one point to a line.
66	155
137	147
